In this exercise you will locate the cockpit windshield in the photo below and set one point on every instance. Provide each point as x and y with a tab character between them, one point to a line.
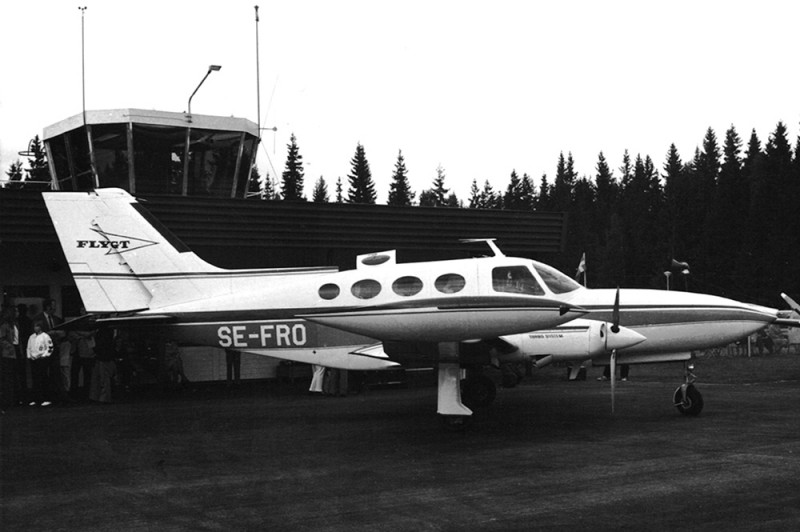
557	282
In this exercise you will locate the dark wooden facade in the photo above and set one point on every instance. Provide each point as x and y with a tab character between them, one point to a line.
234	233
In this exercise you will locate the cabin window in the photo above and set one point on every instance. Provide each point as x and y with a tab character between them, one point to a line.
407	286
366	289
450	283
515	280
329	291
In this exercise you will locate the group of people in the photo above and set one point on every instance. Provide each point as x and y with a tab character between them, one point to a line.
65	366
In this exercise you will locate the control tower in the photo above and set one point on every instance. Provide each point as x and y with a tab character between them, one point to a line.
152	153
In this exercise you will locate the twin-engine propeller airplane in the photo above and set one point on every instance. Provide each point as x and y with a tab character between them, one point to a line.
470	313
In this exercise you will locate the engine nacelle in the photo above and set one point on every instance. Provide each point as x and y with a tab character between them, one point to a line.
576	341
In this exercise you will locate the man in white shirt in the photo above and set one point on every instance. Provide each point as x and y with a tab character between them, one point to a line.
40	347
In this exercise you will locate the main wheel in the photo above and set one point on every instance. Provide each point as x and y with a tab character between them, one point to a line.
478	391
690	404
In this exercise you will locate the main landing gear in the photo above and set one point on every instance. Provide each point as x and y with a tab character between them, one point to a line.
687	399
458	398
478	390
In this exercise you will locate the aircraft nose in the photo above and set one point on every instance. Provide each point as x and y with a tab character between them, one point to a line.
624	338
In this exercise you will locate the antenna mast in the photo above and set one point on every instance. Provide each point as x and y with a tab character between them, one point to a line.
258	80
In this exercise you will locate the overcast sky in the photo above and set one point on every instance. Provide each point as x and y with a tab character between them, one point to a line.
480	88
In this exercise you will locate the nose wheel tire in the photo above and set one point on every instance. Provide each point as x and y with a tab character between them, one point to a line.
688	400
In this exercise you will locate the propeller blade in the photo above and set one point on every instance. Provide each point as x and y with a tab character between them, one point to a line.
791	302
615	314
613	371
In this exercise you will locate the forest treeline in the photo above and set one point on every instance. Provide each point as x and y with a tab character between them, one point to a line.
730	211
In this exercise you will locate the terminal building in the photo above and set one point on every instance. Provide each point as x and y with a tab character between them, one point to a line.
192	172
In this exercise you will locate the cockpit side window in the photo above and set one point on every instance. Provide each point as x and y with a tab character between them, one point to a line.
516	280
557	282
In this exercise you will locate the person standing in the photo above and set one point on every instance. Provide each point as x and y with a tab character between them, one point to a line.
9	345
50	322
105	367
40	347
25	326
317	380
83	361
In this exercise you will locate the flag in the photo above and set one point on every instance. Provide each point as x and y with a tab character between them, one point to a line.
581	267
677	265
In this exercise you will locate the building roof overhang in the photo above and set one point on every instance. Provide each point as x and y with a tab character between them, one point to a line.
151	117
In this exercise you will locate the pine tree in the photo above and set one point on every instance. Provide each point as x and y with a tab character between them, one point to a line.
606	186
527	192
512	199
545	201
271	188
564	184
782	215
38	171
475	198
320	191
754	260
438	190
427	198
339	190
492	199
362	188
14	173
255	187
729	212
400	193
292	187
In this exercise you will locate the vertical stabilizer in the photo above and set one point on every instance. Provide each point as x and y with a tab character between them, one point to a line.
121	258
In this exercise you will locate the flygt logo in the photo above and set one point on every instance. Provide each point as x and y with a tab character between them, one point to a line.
114	243
105	244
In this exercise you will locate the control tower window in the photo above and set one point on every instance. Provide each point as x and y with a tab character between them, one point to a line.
212	162
110	143
59	152
158	159
516	280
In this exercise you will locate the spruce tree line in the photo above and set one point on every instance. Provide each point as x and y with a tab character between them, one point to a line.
729	212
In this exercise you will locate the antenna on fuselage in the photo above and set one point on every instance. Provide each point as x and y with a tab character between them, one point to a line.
489	242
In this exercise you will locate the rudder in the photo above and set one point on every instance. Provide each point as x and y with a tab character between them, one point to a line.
121	258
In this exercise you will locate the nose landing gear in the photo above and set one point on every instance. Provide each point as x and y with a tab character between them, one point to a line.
687	399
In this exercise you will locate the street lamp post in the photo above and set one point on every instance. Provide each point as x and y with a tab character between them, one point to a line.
211	68
185	188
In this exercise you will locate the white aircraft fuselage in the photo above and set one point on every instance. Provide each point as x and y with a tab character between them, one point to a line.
131	271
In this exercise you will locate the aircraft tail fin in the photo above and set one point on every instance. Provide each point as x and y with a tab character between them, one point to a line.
121	257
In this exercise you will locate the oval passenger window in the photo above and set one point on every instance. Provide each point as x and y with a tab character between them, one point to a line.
407	286
329	291
450	283
366	289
